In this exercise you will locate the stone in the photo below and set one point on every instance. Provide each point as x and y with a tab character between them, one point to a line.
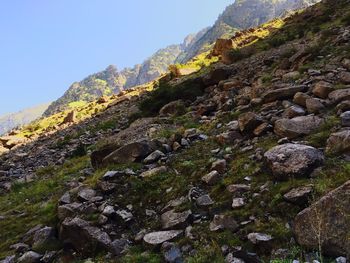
282	93
211	178
158	238
106	187
108	211
339	142
20	247
326	223
171	253
298	126
173	108
345	119
257	238
314	105
153	157
154	171
219	166
228	137
238	189
204	201
171	219
222	222
70	118
249	121
293	160
119	246
339	95
322	89
222	45
343	106
45	239
48	257
65	198
340	260
133	152
86	194
299	196
238	203
300	98
68	210
345	77
30	257
293	111
293	75
9	259
110	175
83	237
125	215
216	75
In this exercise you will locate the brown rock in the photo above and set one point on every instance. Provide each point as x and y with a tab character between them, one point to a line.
345	77
322	89
220	166
249	121
222	45
282	93
173	108
314	105
339	95
222	222
339	142
211	178
70	118
300	98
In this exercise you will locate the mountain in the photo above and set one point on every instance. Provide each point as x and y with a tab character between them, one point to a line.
244	161
13	120
241	14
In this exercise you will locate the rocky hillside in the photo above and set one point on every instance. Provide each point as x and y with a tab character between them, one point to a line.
18	119
246	160
240	15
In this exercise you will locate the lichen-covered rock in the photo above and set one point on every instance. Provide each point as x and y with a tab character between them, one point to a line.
293	160
326	223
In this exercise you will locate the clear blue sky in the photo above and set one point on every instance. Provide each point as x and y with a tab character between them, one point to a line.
48	44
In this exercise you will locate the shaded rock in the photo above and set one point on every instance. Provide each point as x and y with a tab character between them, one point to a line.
86	194
20	247
30	257
300	98
345	119
171	253
129	153
238	189
154	171
228	137
293	160
9	259
282	93
293	111
157	238
65	198
298	126
322	89
45	239
339	95
345	77
249	121
338	142
222	222
83	237
106	187
173	108
125	215
326	223
222	45
119	246
220	166
216	75
204	200
171	219
299	196
68	210
70	118
344	106
153	157
211	178
257	238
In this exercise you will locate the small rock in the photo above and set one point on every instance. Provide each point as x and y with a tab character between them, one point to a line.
299	196
154	171
157	238
30	257
172	219
249	121
171	253
20	247
238	189
345	119
314	105
345	77
221	222
204	201
340	260
257	238
339	142
322	89
220	166
86	194
211	178
238	203
153	157
300	98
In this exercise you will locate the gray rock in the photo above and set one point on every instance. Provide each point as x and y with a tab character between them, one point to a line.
339	95
171	219
238	189
293	111
86	194
340	260
298	126
219	165
293	160
119	246
154	171
345	77
314	105
238	203
345	119
299	196
44	239
153	157
257	238
222	222
30	257
211	178
65	199
20	247
157	238
9	259
171	253
204	200
68	210
125	215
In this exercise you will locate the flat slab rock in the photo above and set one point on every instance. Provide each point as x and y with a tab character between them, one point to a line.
293	160
157	238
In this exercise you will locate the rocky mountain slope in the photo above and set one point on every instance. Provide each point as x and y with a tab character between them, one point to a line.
240	15
243	161
13	120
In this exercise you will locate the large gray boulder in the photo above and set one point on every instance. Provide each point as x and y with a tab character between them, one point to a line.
83	237
326	223
298	126
293	160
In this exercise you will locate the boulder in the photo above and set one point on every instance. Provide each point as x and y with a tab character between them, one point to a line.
30	257
293	160
153	157
70	118
133	152
300	98
83	237
68	210
204	201
86	194
345	77
298	126
326	223
314	105
249	121
171	219
9	259
322	89
218	74
282	93
339	142
158	238
173	108
222	45
339	95
222	222
45	239
299	196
